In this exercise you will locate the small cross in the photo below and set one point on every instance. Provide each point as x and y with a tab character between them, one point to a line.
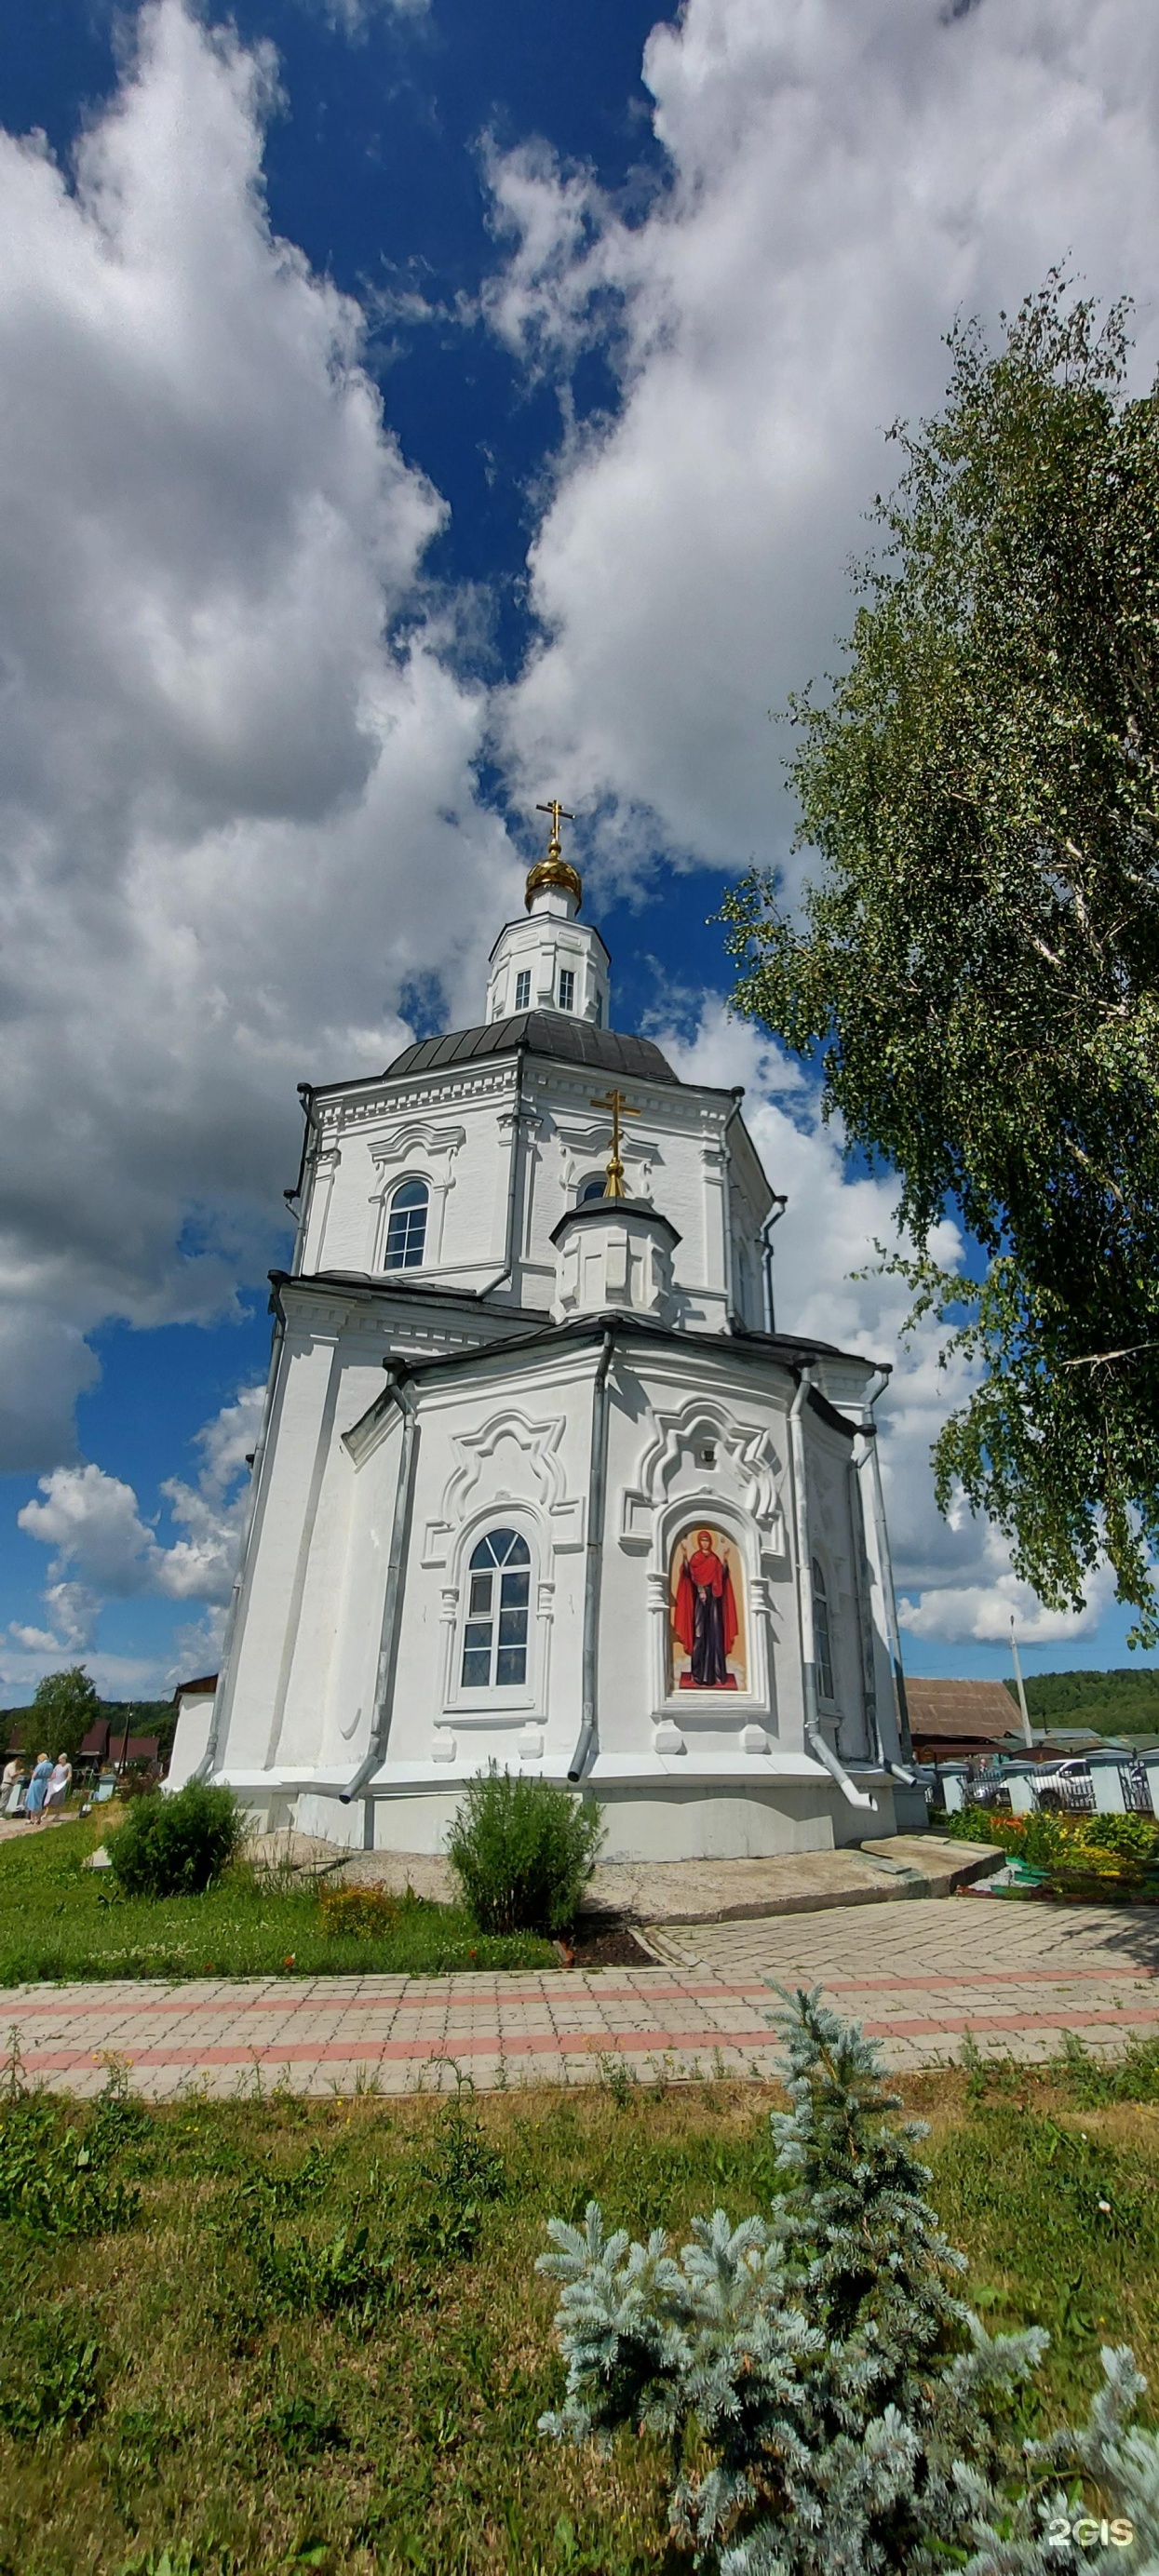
559	814
615	1102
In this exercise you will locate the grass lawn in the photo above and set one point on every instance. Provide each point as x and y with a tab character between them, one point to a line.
59	1919
318	2340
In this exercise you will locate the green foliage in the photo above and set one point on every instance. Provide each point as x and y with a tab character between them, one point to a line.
825	2395
50	2375
56	2180
1079	1853
1124	1701
303	2429
64	1706
364	1911
523	1852
978	962
1094	2081
440	2471
345	2276
179	1845
460	2177
60	1919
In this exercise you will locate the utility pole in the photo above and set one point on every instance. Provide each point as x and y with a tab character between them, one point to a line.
1027	1736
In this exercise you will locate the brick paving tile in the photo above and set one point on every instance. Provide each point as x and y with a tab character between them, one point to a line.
920	1976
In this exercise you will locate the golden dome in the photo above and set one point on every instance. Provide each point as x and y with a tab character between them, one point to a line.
553	871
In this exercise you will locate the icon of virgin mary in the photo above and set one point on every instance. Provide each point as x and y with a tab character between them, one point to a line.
704	1616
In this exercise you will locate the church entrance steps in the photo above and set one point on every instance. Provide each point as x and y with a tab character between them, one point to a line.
919	1977
735	1891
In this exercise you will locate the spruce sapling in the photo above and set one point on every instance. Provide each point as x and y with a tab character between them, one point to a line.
855	2413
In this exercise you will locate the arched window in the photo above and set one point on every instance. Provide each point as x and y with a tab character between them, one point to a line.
406	1230
498	1602
593	1189
821	1634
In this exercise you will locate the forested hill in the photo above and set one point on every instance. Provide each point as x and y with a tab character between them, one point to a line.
136	1716
1125	1702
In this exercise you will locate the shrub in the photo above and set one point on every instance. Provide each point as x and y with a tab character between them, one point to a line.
365	1911
523	1852
179	1845
826	2398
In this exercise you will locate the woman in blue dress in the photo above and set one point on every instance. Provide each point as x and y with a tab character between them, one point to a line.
37	1786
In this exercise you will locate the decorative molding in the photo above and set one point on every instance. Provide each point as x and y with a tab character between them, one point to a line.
539	1444
749	1449
422	1133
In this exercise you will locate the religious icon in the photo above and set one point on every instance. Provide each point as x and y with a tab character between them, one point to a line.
707	1637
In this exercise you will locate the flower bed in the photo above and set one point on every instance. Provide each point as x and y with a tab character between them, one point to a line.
1095	1856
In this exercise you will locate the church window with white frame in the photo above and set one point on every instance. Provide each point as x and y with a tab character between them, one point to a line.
523	989
594	1188
567	988
498	1608
822	1634
406	1225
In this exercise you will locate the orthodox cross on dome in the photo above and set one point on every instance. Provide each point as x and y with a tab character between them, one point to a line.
554	870
559	814
615	1102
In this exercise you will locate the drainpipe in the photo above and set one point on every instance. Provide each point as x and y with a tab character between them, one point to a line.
512	1181
886	1564
816	1741
302	1192
726	1178
392	1605
776	1212
205	1767
597	1488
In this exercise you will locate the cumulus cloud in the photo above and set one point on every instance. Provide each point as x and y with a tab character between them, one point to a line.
105	1549
953	1574
843	181
235	816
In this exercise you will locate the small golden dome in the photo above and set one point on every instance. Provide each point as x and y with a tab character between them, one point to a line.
553	872
554	869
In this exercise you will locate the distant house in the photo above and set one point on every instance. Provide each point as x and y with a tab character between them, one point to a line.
956	1721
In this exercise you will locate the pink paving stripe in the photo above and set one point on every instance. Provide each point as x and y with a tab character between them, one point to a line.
516	2043
282	1997
530	2043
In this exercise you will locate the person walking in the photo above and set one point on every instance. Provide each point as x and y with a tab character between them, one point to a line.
37	1786
59	1784
11	1786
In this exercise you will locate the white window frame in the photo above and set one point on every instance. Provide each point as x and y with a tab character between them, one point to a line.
523	997
407	1180
493	1704
823	1612
567	977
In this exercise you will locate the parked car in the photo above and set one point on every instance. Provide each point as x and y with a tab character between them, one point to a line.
1066	1784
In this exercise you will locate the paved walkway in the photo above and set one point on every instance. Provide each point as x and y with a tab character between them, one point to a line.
918	1975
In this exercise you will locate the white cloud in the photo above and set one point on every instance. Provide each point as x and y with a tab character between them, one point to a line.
953	1574
983	1612
844	180
104	1549
233	818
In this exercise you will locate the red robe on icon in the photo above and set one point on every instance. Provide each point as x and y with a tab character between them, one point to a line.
704	1620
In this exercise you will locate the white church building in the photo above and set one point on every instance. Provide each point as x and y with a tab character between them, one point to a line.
538	1482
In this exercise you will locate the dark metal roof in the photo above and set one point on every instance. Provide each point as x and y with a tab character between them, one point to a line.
548	1033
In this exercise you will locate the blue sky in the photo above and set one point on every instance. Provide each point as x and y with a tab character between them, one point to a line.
283	674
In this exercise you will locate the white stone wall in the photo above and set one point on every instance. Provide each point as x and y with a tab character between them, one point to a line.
506	1440
471	1138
